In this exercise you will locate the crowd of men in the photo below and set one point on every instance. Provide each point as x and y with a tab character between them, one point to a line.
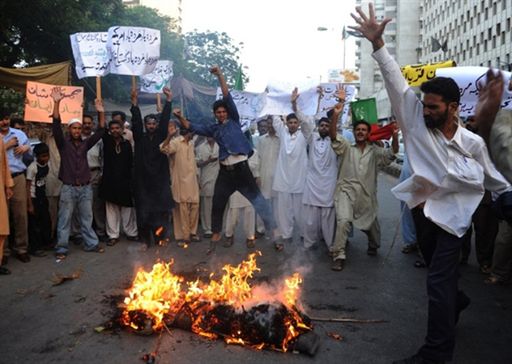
297	178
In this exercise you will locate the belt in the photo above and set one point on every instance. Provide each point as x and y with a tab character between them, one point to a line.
95	169
16	174
77	184
232	167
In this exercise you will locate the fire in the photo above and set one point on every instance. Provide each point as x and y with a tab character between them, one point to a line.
225	307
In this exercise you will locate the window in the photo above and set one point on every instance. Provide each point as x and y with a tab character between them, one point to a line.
502	38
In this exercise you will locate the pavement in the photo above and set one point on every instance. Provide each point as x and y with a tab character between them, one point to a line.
42	323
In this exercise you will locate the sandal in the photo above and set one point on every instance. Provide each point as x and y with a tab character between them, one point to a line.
195	239
250	243
112	242
228	242
279	246
96	249
411	248
494	280
60	256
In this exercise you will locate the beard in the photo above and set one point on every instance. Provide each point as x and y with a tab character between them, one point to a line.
433	123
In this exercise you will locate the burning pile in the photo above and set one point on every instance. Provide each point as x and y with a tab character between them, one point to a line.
228	308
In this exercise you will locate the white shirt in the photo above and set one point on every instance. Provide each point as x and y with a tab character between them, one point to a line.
268	149
448	175
290	173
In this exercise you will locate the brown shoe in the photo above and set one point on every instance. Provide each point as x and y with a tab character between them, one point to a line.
338	265
250	243
24	258
228	242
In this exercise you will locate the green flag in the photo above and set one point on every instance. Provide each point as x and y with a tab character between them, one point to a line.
239	80
364	110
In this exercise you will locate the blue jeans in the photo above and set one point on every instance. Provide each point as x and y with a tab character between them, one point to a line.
79	198
407	222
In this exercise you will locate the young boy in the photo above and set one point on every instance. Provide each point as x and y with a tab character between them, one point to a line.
39	223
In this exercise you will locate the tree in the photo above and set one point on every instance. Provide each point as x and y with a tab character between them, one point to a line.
204	49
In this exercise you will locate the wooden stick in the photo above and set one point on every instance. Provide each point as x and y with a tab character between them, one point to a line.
134	83
348	320
98	87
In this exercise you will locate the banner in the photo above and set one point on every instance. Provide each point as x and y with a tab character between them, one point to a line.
468	80
16	78
155	81
364	110
39	103
133	50
416	74
249	105
329	99
91	54
279	103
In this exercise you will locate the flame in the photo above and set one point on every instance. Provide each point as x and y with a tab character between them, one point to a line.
160	295
159	230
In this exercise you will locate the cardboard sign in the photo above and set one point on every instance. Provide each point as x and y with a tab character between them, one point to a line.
39	103
155	81
416	74
134	50
91	54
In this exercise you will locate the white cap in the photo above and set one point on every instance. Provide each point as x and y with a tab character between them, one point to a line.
73	121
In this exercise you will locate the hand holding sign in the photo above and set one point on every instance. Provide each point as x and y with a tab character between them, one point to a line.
168	93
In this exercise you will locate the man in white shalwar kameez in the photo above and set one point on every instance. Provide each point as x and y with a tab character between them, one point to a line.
268	150
207	158
290	174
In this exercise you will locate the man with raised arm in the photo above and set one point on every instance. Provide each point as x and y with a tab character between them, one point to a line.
74	172
356	189
449	164
153	201
234	151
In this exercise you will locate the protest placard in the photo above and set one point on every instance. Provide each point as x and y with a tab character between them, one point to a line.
39	103
329	99
90	53
416	74
133	50
155	81
468	79
248	104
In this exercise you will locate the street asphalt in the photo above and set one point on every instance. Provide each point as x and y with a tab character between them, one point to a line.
42	323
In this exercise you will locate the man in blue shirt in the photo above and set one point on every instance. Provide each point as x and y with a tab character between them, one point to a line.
17	144
234	151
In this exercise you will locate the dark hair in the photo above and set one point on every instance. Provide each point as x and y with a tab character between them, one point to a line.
358	122
446	87
112	122
324	120
41	148
4	113
220	103
17	120
291	116
150	116
87	116
120	113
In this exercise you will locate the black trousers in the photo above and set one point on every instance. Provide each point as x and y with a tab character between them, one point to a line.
153	226
39	226
441	251
485	224
238	177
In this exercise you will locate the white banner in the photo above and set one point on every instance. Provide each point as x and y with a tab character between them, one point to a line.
328	99
155	81
134	50
248	104
468	79
279	103
91	55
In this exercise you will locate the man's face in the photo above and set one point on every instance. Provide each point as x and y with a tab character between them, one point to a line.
361	133
435	110
150	126
4	124
471	124
263	127
75	130
115	130
221	114
43	158
271	130
293	125
323	129
87	125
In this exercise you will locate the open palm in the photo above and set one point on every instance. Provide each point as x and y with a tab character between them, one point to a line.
368	25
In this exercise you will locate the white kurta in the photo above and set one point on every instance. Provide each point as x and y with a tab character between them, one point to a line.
209	171
268	150
448	175
292	162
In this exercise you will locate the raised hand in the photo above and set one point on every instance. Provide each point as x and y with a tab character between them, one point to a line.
369	27
341	93
215	70
57	94
168	93
134	94
177	112
98	104
489	101
295	95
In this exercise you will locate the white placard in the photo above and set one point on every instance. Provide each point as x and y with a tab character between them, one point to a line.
279	103
248	104
134	50
91	54
329	99
468	80
155	81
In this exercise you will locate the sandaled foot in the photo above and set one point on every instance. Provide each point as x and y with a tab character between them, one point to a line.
494	280
278	246
112	241
60	256
228	242
250	243
96	249
183	244
338	265
213	247
411	248
195	239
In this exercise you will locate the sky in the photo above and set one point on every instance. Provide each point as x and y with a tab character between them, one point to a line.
282	46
